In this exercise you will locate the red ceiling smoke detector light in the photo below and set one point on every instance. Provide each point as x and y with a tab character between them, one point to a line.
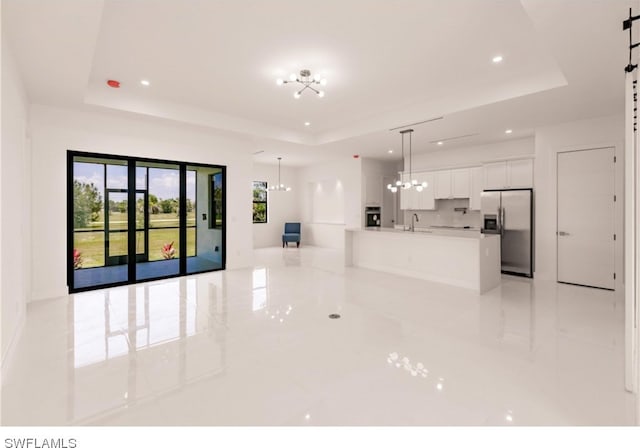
113	83
355	156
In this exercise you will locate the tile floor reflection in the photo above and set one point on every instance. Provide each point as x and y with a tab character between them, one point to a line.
255	347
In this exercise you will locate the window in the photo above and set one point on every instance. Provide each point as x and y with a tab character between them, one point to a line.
215	213
259	202
132	219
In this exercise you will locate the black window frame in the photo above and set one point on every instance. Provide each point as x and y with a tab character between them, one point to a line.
265	202
131	163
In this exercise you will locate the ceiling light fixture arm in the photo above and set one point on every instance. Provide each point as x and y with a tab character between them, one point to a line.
280	186
306	80
410	181
279	159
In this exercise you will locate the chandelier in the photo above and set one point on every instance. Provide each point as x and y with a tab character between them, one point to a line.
306	81
280	186
411	183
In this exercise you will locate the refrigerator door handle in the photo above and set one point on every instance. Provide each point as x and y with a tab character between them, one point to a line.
502	220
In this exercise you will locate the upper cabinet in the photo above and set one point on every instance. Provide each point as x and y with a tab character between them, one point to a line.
443	184
465	183
495	175
508	174
373	189
452	184
424	200
520	173
476	188
460	183
412	199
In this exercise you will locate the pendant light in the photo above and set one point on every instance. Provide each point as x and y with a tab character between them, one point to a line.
394	187
280	186
411	183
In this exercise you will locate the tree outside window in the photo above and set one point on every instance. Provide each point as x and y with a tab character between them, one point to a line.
259	202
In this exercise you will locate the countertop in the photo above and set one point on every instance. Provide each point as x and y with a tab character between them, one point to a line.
466	229
430	231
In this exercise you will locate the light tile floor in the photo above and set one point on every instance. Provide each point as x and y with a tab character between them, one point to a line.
256	347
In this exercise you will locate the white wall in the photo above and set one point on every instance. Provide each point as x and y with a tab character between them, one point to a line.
330	199
282	206
54	131
584	134
15	211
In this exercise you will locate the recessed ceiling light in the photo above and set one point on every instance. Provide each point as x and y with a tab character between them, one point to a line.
145	82
306	123
497	59
390	151
440	143
508	131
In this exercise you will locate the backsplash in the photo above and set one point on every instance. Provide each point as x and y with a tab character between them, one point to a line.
445	215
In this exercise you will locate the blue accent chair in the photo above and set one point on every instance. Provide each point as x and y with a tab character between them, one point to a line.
291	233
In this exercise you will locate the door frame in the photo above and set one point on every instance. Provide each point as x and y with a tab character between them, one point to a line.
550	167
144	256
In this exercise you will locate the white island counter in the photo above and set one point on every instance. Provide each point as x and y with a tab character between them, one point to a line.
466	259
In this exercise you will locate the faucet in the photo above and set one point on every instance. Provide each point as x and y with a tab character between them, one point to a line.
413	226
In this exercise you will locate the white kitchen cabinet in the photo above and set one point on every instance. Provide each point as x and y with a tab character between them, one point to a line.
476	188
495	175
452	184
508	174
520	173
460	183
412	199
405	195
443	184
373	189
426	197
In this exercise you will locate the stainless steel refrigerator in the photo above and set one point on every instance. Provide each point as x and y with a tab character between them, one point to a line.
509	213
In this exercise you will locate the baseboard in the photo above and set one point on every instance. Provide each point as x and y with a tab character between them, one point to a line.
37	296
8	355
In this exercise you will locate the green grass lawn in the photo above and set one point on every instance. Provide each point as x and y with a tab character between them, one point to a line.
91	244
119	221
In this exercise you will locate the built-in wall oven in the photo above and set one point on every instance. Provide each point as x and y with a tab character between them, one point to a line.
372	217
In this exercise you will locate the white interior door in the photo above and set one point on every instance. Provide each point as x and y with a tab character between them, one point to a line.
586	229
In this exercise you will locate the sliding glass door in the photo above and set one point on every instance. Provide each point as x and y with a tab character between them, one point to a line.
134	219
204	220
162	229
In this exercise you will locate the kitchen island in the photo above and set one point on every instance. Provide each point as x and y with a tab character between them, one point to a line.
459	258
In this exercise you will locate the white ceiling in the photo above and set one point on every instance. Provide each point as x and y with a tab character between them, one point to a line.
388	63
